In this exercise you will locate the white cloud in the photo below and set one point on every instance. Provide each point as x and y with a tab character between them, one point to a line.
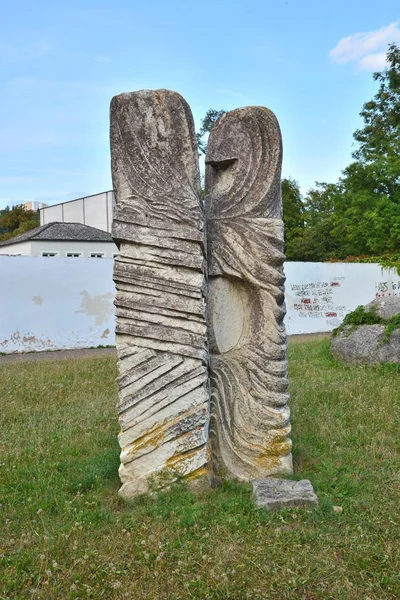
373	62
368	48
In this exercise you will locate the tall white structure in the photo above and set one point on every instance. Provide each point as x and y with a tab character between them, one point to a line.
34	205
95	211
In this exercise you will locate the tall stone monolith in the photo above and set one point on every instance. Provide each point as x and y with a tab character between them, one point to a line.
160	281
249	428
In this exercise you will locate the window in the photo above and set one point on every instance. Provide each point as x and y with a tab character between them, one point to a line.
97	254
50	254
73	254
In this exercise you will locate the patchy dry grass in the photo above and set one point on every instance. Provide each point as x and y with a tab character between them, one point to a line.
65	534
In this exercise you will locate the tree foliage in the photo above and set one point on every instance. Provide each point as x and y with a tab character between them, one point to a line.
380	136
17	220
210	118
360	214
293	214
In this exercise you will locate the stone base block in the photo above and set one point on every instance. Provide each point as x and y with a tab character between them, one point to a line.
271	493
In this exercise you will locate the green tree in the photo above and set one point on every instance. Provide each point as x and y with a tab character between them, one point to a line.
211	116
379	138
293	214
360	215
17	220
367	212
316	241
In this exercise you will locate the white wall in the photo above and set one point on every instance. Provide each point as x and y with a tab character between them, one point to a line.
71	212
49	304
24	248
95	211
319	295
52	213
36	247
109	248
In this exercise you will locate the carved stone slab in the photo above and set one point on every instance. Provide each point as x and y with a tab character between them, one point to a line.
273	493
249	428
160	280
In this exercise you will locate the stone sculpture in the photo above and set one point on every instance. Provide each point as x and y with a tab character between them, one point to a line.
249	426
160	274
160	281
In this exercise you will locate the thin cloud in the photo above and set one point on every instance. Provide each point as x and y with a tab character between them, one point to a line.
102	59
58	171
231	93
367	48
7	179
14	53
373	62
24	83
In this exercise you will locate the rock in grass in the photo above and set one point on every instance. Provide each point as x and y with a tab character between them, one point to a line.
386	307
273	493
366	345
369	334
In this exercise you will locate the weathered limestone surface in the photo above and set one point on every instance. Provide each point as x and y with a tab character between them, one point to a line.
160	277
273	493
365	346
385	307
249	428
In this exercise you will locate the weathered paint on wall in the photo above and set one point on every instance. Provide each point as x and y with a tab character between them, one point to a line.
51	304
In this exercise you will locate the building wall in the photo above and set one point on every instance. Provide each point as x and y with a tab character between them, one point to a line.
95	211
34	205
55	304
24	249
319	295
35	248
50	304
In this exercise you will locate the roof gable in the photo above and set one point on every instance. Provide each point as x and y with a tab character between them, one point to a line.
62	232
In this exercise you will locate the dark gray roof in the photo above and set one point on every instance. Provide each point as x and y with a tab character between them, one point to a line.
63	232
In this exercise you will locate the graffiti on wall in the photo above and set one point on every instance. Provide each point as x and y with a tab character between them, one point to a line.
316	300
390	287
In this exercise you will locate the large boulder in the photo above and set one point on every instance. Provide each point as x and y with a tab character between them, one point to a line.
385	308
370	343
365	346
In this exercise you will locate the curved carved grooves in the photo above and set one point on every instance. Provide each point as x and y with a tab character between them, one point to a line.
159	277
249	427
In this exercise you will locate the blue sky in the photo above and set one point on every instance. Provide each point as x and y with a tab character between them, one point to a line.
310	61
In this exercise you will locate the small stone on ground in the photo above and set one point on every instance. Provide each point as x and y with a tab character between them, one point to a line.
273	493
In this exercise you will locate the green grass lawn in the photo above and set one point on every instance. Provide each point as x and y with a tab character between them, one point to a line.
65	534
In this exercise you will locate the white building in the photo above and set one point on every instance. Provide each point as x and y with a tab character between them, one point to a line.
70	240
95	211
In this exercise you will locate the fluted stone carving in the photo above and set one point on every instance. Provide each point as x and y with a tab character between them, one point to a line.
160	281
249	426
169	383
